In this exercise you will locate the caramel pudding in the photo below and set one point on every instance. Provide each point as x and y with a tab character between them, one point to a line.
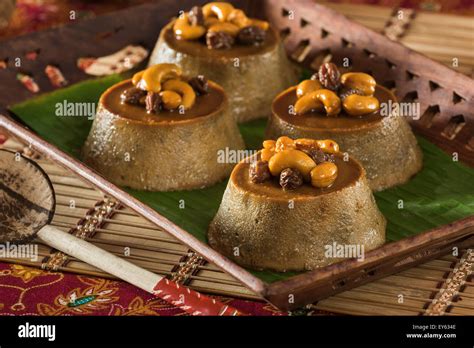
283	207
244	55
162	131
205	106
385	145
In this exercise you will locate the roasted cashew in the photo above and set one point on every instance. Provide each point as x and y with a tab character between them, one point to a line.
208	22
284	143
152	78
306	87
329	146
185	31
324	175
266	154
171	100
269	144
291	159
221	10
358	105
225	27
184	90
361	81
315	100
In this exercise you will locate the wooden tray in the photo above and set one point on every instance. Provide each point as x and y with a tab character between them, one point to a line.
441	286
406	70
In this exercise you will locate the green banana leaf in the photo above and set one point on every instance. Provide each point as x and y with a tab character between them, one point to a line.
442	193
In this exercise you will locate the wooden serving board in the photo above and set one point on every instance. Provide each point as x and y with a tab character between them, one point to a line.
416	291
404	70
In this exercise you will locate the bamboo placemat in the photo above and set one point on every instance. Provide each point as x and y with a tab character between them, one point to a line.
442	286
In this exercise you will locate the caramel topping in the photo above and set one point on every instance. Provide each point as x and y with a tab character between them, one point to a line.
166	80
361	81
151	79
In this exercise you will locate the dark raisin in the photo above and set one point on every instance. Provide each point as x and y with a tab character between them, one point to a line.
219	40
196	16
259	172
199	84
251	35
306	147
329	76
132	96
153	103
291	179
345	92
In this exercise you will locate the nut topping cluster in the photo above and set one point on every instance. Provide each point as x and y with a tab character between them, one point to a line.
162	87
221	26
331	92
294	162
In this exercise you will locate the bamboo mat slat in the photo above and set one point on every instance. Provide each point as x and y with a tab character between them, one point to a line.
439	36
123	232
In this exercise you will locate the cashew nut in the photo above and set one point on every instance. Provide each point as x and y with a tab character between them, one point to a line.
221	10
291	159
269	144
239	18
358	105
306	87
324	175
315	100
225	27
184	90
171	100
329	146
151	78
266	154
185	31
284	143
361	81
306	144
259	23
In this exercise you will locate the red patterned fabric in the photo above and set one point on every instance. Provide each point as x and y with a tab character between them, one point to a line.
32	15
31	291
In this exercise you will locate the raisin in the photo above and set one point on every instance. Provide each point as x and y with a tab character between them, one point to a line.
196	16
132	96
306	148
259	172
329	76
153	103
199	84
345	92
291	179
251	35
319	156
219	40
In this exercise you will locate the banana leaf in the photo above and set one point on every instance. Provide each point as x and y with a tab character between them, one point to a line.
441	193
